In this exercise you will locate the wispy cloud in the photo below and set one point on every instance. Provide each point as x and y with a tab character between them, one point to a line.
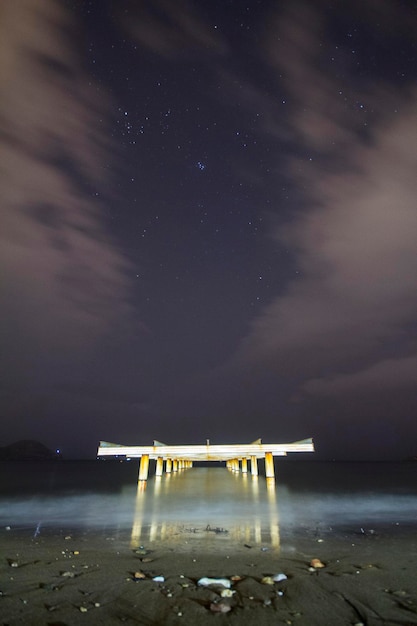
379	378
350	307
64	282
171	30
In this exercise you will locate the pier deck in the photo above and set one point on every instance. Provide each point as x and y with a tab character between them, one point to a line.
178	457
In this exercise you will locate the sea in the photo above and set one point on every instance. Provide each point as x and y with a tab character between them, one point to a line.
206	504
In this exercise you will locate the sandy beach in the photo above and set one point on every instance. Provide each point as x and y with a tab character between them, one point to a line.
70	579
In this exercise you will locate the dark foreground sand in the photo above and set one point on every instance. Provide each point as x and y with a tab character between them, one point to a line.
81	578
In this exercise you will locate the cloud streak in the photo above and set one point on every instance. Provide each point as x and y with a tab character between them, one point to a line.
346	316
170	30
381	377
64	281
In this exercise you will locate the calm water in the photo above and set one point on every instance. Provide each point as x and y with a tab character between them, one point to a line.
208	504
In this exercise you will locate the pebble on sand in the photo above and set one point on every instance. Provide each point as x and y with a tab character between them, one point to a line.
220	607
316	564
221	582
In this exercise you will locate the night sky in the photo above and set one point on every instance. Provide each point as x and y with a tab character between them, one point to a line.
209	223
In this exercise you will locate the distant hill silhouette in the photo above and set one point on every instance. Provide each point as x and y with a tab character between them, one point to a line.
26	450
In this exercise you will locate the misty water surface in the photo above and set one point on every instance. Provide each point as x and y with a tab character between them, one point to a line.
208	502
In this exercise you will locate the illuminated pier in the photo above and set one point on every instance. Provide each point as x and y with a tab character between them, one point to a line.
179	457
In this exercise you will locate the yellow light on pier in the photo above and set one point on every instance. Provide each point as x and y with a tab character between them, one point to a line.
180	457
144	467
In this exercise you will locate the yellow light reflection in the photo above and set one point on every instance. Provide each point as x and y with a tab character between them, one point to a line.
207	505
140	507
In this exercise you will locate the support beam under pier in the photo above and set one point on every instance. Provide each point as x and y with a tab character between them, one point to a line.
159	466
144	467
269	465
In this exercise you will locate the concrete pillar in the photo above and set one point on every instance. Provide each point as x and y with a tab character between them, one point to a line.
244	466
236	465
144	467
175	465
269	465
254	465
159	466
168	467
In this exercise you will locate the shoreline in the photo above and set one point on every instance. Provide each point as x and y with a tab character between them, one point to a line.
67	578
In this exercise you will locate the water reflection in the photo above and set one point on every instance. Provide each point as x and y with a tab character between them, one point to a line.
204	504
196	505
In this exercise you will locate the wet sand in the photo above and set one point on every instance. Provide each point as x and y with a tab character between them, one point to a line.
69	579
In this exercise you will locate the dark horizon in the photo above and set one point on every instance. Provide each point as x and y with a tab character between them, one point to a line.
209	224
23	452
